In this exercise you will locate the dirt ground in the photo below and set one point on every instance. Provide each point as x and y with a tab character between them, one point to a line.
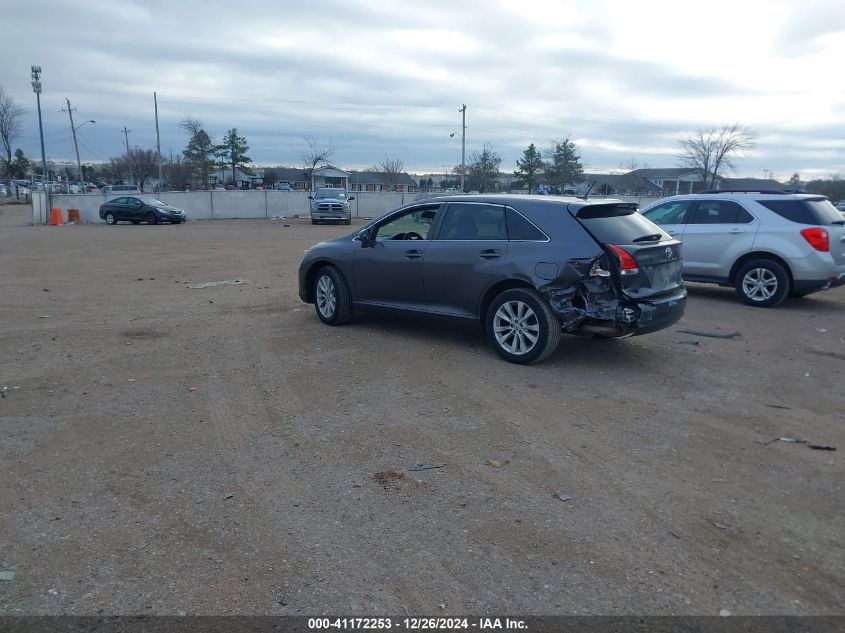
169	450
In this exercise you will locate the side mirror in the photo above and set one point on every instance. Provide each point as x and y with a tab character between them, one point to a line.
364	238
310	197
351	198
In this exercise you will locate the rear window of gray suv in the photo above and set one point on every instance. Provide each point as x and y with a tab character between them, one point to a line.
805	211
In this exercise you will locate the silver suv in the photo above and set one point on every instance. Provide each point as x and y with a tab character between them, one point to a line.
765	244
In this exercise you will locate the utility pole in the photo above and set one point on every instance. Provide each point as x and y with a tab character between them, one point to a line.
158	142
36	88
128	155
463	112
75	144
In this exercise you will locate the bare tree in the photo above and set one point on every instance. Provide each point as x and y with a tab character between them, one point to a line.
483	169
390	169
315	156
711	151
144	165
10	129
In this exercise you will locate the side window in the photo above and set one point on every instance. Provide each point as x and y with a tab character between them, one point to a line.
413	224
718	212
120	201
467	221
521	230
674	212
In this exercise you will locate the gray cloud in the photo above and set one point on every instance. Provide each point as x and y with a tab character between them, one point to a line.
388	77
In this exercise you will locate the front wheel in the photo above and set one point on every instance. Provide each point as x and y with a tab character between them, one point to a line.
332	298
521	327
110	219
348	222
762	283
151	218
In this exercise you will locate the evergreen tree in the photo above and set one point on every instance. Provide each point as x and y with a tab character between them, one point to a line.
530	167
233	151
563	164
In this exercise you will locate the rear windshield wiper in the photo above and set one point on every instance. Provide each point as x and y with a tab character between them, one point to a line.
651	237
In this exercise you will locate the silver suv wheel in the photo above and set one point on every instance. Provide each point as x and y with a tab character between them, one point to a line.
762	283
759	284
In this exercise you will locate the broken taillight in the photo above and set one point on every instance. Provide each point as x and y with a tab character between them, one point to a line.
627	264
817	238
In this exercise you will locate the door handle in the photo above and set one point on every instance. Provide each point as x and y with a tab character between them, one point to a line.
735	231
672	232
491	253
413	254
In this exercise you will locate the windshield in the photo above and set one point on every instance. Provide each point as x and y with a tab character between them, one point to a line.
331	193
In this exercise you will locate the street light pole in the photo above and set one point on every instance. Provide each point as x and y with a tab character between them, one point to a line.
128	154
75	144
36	88
463	144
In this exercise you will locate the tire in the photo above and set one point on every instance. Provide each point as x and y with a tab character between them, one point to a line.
136	221
511	321
762	283
332	298
797	294
110	219
313	221
151	218
348	222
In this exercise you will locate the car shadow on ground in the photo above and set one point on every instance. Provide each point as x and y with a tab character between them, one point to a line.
818	301
583	352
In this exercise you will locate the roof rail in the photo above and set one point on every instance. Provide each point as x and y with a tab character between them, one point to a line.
771	191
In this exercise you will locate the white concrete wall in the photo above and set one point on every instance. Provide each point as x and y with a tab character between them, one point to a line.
212	205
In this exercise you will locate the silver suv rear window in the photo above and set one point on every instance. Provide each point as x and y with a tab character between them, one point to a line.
805	211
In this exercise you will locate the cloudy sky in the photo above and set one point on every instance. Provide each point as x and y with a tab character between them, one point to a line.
624	79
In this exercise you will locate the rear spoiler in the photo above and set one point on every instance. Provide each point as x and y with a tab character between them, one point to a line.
601	210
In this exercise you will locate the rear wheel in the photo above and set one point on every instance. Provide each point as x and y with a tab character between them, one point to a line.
521	327
348	222
332	298
110	219
762	283
151	218
313	221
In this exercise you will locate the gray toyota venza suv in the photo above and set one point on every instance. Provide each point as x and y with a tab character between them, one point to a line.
527	267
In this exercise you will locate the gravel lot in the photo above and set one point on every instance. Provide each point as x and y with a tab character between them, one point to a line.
171	450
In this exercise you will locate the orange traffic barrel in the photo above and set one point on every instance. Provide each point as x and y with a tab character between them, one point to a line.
73	216
55	216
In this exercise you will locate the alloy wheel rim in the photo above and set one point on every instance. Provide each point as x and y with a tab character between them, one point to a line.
516	327
759	284
326	297
109	219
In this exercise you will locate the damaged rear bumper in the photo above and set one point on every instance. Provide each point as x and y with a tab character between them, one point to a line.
660	313
633	318
602	313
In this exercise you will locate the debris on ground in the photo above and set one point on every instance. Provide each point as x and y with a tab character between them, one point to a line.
495	463
778	406
7	575
43	316
721	526
675	534
795	440
212	284
228	495
724	613
710	334
689	342
418	467
562	497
